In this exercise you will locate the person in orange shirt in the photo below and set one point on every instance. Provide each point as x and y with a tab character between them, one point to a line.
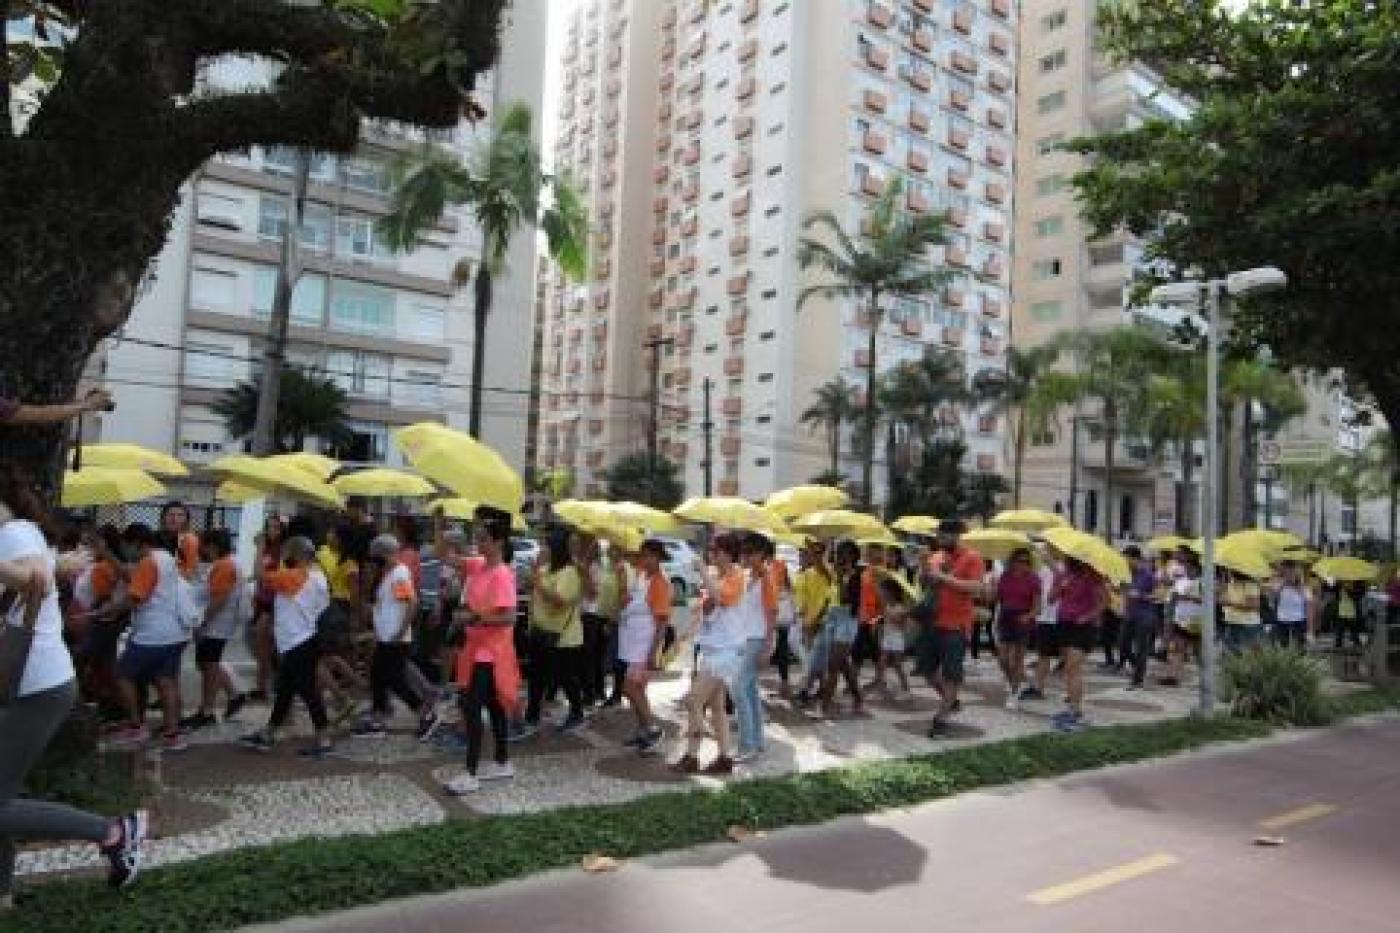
106	582
958	571
641	630
867	645
175	521
222	615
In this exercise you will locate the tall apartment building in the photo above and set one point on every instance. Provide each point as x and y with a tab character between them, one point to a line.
1062	279
390	329
704	132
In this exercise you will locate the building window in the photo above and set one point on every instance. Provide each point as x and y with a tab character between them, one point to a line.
360	309
1052	62
209	364
363	174
1049	184
1047	311
1053	21
213	289
356	238
427	323
308	297
420	388
1046	145
359	373
1050	226
1047	268
315	222
765	377
769	294
1049	103
1043	439
219	210
762	462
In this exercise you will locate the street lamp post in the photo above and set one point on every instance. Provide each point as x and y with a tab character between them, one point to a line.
1210	298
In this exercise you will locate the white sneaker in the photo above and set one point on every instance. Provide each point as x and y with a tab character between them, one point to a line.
490	771
1013	705
462	785
744	757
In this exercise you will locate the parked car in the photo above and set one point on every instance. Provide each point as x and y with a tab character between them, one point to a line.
683	566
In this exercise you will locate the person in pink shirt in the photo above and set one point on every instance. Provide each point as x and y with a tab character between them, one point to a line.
1018	602
488	673
1082	597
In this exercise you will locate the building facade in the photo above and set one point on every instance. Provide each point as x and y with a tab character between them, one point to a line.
704	133
391	329
1063	279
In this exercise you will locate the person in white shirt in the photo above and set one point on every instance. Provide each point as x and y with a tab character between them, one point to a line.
1294	609
42	699
301	594
395	608
1046	638
1186	606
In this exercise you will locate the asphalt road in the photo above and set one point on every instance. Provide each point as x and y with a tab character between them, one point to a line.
1156	847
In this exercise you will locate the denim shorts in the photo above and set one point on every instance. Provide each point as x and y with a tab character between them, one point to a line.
147	663
841	626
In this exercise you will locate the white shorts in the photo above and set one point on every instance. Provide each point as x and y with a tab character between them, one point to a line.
721	663
892	640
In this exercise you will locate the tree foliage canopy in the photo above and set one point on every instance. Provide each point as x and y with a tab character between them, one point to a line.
309	404
1291	158
638	478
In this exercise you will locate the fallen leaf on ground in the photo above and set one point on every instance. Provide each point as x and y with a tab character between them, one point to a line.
596	864
1268	840
738	833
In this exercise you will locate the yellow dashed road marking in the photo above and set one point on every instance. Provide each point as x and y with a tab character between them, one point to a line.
1103	879
1312	811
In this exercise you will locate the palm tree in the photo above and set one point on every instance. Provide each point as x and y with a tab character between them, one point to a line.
1309	475
1111	371
924	397
639	478
308	404
1172	412
887	258
1345	478
832	408
1028	392
502	184
1382	468
1246	383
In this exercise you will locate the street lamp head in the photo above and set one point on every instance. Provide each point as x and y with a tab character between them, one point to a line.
1177	293
1259	281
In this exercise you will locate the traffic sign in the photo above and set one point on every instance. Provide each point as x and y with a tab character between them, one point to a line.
1270	453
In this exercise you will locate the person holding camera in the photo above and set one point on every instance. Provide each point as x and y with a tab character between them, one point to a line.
16	414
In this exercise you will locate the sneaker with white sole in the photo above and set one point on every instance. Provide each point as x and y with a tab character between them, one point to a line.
462	785
125	855
492	771
1012	703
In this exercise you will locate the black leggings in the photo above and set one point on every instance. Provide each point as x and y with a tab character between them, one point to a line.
974	643
296	677
389	671
595	651
782	654
481	693
552	668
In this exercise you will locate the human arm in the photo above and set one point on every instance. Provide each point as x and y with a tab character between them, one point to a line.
223	582
16	413
407	597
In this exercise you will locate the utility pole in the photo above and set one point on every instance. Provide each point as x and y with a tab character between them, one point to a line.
288	272
655	345
1074	469
708	426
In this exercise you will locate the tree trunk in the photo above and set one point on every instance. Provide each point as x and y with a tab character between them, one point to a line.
1018	457
891	468
1222	473
868	468
265	439
1394	512
1312	514
1188	464
836	447
1249	495
480	311
1110	444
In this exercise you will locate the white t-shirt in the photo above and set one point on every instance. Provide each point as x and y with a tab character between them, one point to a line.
1049	612
391	601
750	608
1187	612
723	628
1292	604
49	665
156	622
294	616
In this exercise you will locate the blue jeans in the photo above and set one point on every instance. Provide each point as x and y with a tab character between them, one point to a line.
1239	638
748	705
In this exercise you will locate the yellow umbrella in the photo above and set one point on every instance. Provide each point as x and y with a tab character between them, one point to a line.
237	493
1268	544
382	482
463	464
642	516
581	513
1299	555
731	512
996	543
879	541
132	457
465	509
797	501
916	525
271	475
794	538
1164	543
1028	520
1346	569
95	485
841	523
1242	556
1091	550
318	465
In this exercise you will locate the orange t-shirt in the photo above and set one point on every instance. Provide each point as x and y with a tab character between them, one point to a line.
770	590
870	603
731	588
223	577
188	558
104	579
956	611
659	597
286	581
144	579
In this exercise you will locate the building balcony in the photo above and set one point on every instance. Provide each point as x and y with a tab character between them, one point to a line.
956	178
739	246
658	236
749	11
962	62
657	267
728	487
911	326
739	207
748	50
875	101
922	39
661	173
690	226
986	463
996	156
687	265
996	117
959	99
918	78
691	154
872	185
657	298
860	359
991	306
917	202
952	337
957	138
743	127
729	445
998	44
874	142
955	256
991	346
736	324
734	366
962	20
996	192
683	376
993	231
957	216
733	405
878	15
746	88
918	120
917	161
743	165
659	204
690	192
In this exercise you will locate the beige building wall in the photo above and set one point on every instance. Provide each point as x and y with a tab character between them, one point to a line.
763	111
1062	279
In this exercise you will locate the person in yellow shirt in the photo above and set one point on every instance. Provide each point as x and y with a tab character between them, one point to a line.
1239	605
341	559
813	593
556	633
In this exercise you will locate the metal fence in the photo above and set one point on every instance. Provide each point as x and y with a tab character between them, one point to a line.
202	517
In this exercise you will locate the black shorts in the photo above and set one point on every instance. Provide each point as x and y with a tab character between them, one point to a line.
867	644
949	649
1078	637
209	650
1047	640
